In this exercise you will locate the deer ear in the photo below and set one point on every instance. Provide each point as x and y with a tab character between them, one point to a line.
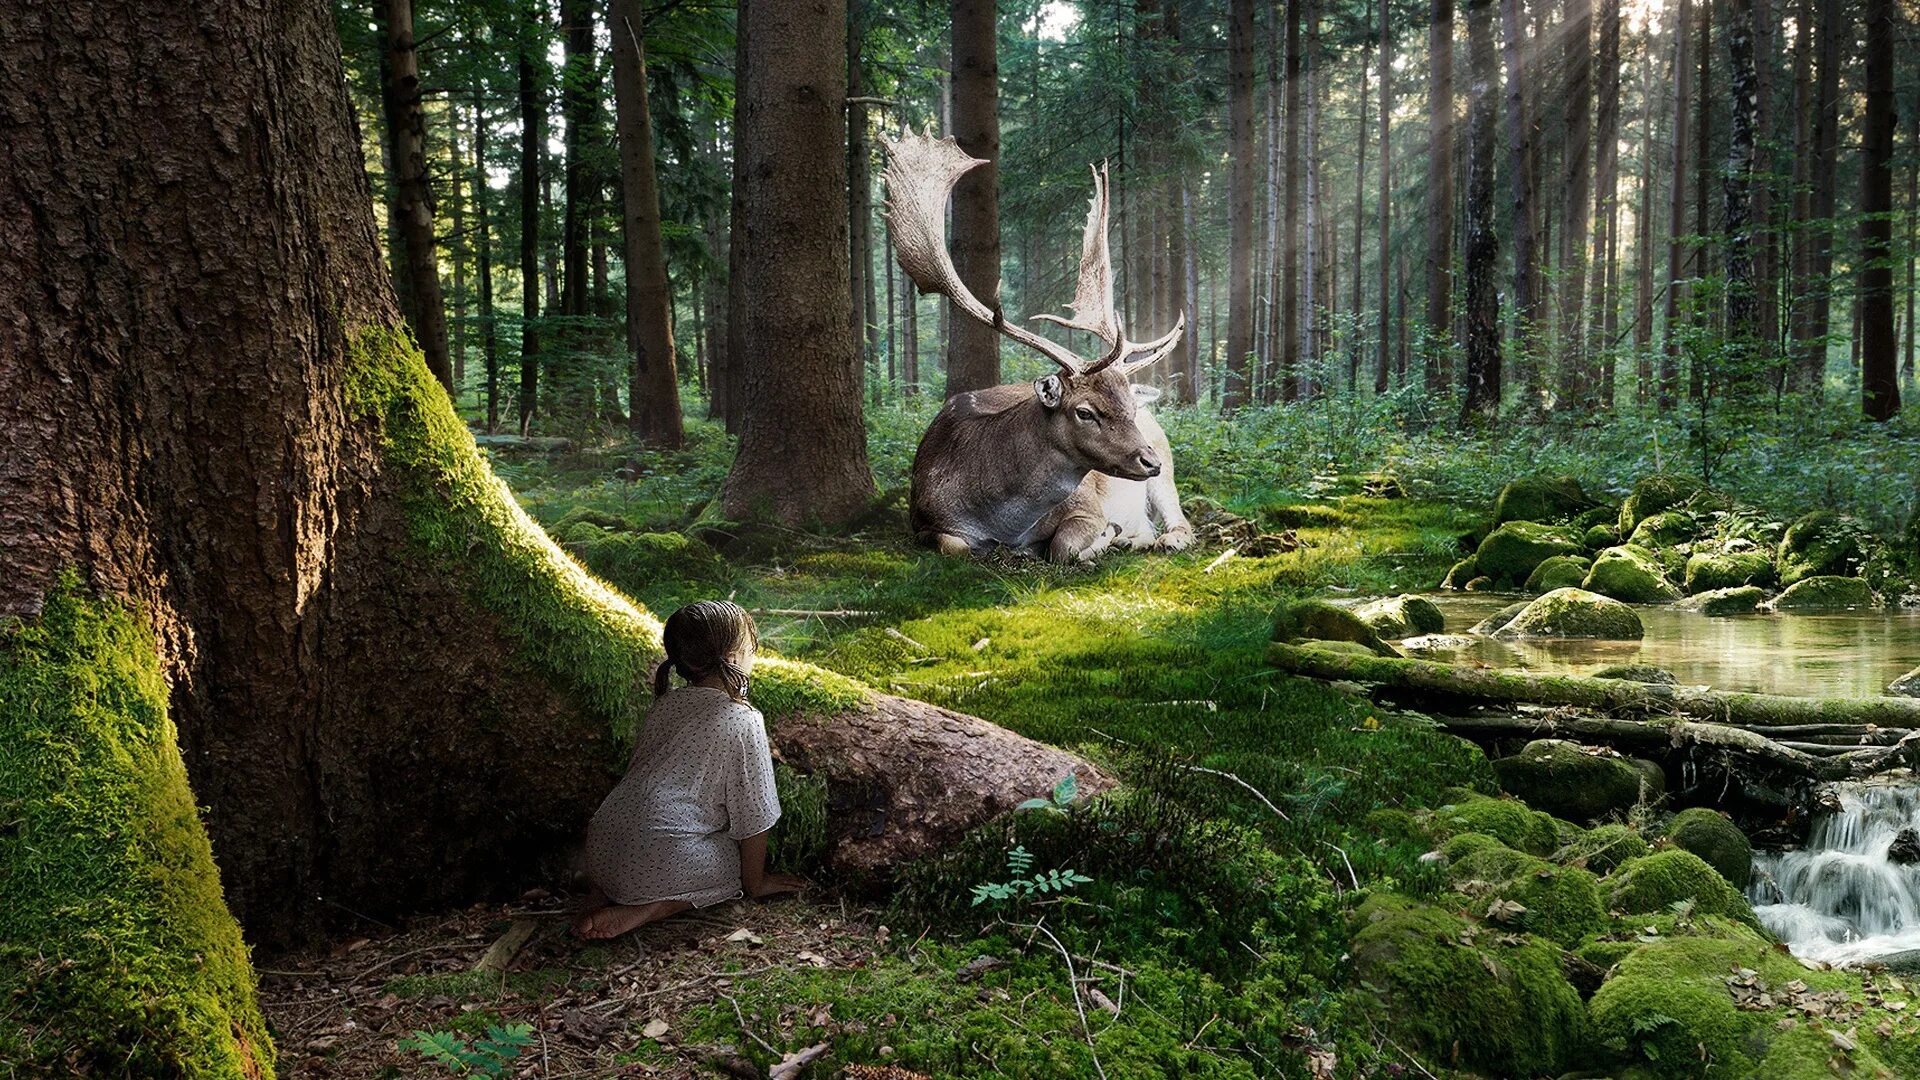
1050	390
1144	394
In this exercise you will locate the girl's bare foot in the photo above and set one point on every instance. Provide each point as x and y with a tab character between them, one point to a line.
612	920
779	885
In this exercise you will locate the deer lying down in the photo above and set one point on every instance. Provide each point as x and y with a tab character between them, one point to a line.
1144	514
1009	465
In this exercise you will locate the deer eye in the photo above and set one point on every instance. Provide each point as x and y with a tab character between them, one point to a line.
1085	413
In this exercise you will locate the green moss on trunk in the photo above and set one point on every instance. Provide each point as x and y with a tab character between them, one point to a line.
117	953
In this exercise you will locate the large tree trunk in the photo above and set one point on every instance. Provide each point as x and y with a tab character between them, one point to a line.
1439	264
653	386
1482	247
1576	211
1289	388
1879	373
532	113
1523	217
1240	312
1384	359
1677	204
803	446
483	247
973	360
413	199
1604	305
351	622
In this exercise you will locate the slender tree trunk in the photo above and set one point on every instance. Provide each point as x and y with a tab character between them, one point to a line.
1381	364
1879	373
413	200
1677	244
803	446
1289	389
1313	223
576	105
973	360
1439	257
1190	297
1766	234
1913	231
1793	371
1523	212
455	164
1737	218
653	384
739	289
1360	204
531	116
1576	207
483	246
1482	248
1697	371
1267	295
1604	303
1643	237
910	295
866	323
718	300
1240	314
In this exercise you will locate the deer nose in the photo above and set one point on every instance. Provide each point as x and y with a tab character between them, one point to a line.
1147	462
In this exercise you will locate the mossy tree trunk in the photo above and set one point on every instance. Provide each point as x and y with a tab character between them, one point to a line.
391	689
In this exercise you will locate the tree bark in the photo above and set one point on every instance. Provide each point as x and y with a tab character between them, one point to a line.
1360	201
1701	359
576	107
1439	257
973	360
1383	362
866	322
1576	207
531	122
1737	218
1605	302
803	447
1677	245
653	385
1523	216
1766	234
1879	367
483	247
1482	247
1240	312
1289	387
413	198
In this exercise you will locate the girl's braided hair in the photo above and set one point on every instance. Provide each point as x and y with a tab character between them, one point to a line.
701	640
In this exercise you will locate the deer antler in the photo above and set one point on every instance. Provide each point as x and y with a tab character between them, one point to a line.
921	172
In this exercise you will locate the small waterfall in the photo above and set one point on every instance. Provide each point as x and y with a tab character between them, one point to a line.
1842	898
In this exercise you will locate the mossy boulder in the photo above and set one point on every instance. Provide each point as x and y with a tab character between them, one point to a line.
1640	673
1632	574
1600	537
1603	848
1652	495
1319	620
1719	603
1652	884
1540	498
1500	1003
1575	613
1565	780
633	560
1558	572
1817	594
1463	846
1460	573
1562	902
1511	552
1507	820
1668	528
1822	544
1402	616
1493	623
1707	572
1395	826
1718	841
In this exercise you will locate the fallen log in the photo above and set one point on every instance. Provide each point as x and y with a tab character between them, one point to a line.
1652	737
1612	696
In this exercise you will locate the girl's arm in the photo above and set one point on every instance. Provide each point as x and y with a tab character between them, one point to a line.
753	863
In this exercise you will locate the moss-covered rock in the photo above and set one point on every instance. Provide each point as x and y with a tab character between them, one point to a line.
1718	841
1493	623
117	954
1668	528
1463	846
1566	781
1561	903
1654	883
1640	673
1598	538
1652	495
1501	1003
1822	544
1558	572
1395	826
1540	498
1319	620
1708	572
1719	603
1511	552
1603	848
1575	613
1483	583
1812	595
1460	573
1507	820
1632	574
1402	616
1907	685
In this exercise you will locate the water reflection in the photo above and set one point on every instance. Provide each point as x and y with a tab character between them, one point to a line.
1850	654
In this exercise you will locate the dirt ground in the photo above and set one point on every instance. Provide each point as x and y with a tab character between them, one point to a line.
611	1009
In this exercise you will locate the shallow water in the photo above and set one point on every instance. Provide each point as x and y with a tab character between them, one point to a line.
1841	899
1850	654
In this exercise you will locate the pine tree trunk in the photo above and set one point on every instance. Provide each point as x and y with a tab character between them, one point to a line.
1879	369
413	198
803	446
1523	215
973	349
1240	313
455	164
1289	388
859	201
739	288
1604	302
532	114
1697	372
1677	204
1313	222
1381	364
1643	238
1482	247
653	373
483	246
1576	207
576	106
1267	329
1360	203
1440	166
1737	218
1766	234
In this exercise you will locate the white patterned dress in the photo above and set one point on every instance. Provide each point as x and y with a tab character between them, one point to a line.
700	781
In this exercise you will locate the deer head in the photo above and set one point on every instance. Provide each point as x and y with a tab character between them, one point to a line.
1089	405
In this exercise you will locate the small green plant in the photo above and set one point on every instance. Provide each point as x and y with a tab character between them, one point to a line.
1021	886
1060	801
487	1056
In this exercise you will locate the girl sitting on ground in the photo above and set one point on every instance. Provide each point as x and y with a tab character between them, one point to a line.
687	826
